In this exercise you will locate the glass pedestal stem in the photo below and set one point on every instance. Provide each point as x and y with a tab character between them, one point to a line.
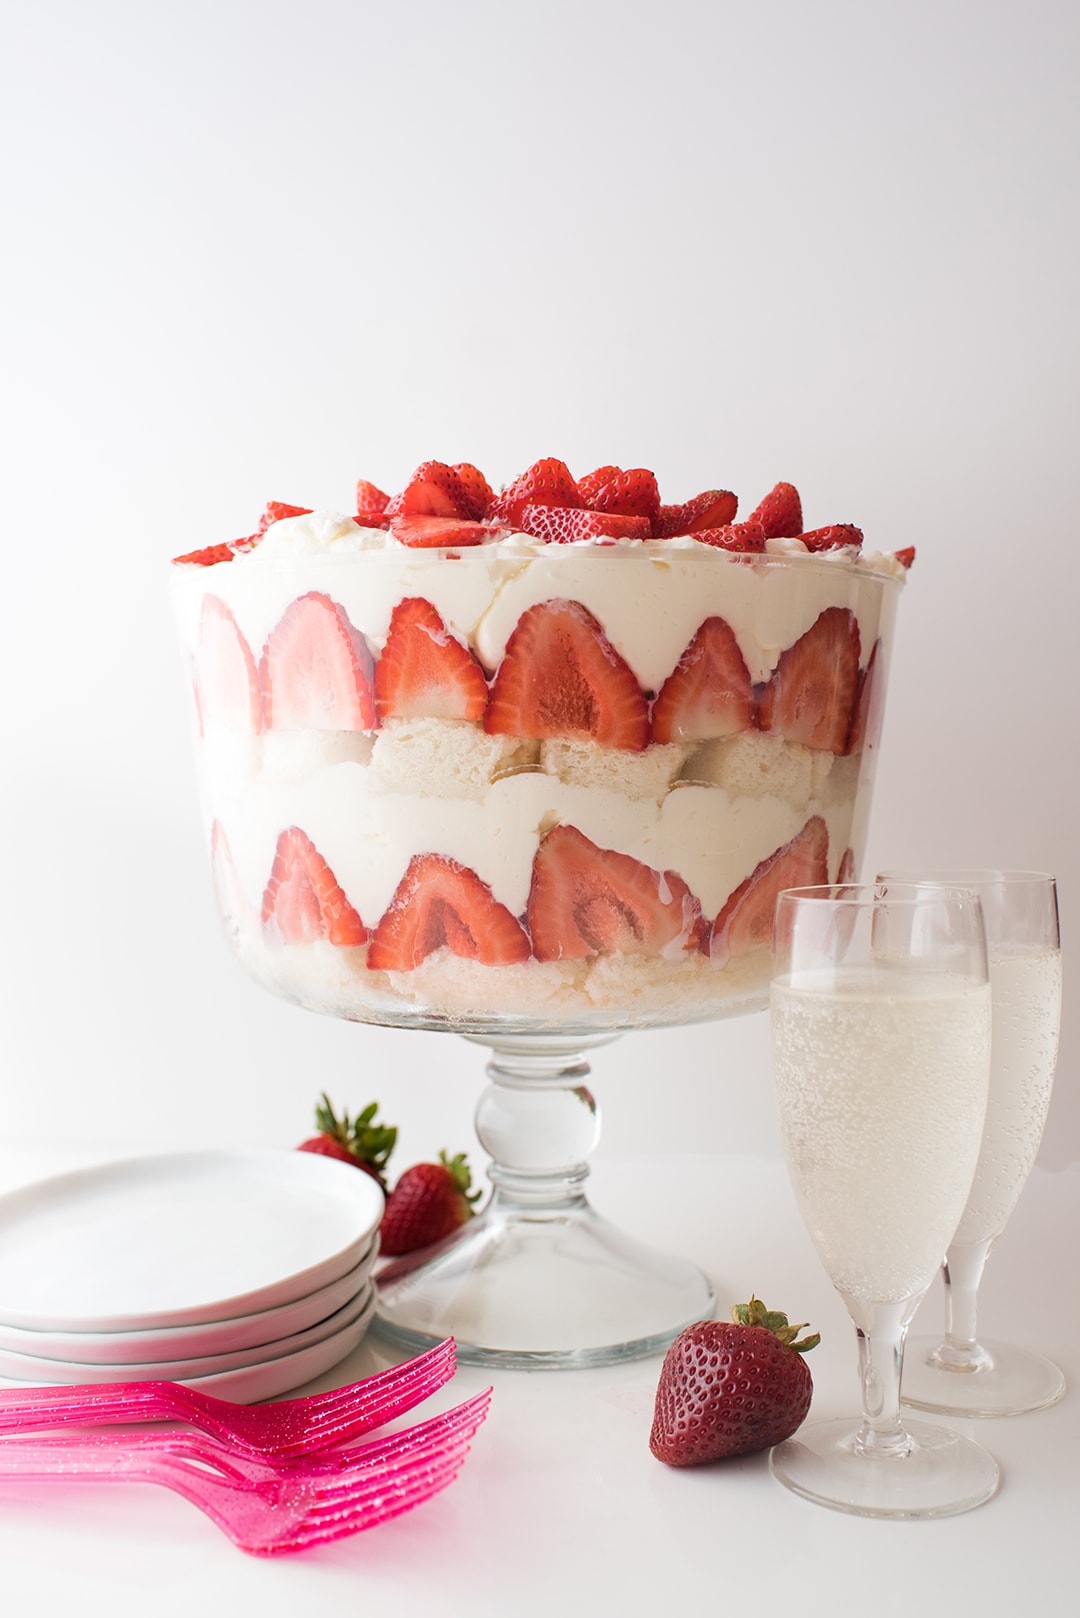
538	1279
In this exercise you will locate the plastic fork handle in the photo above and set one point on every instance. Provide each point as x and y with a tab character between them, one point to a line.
30	1409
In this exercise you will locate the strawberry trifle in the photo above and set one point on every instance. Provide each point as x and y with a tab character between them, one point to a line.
539	759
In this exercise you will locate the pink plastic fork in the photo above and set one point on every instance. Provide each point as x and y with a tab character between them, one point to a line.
282	1428
268	1509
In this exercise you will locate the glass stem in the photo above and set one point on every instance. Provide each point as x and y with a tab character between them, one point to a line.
962	1273
881	1331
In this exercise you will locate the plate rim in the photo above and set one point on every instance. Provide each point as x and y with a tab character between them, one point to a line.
340	1180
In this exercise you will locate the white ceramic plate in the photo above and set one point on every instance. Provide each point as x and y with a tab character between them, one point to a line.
26	1368
192	1342
180	1239
272	1378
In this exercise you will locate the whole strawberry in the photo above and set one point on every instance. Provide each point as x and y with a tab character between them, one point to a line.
359	1141
429	1201
731	1387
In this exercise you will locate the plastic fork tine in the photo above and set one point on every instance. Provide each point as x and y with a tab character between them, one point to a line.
282	1428
264	1507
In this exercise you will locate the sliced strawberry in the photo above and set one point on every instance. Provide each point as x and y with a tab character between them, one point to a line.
708	693
434	490
432	532
227	684
811	694
868	712
561	676
831	538
585	900
303	902
906	556
423	672
734	536
590	485
476	486
546	483
439	903
846	874
276	510
713	509
370	501
231	902
628	494
207	557
746	921
316	670
780	513
564	524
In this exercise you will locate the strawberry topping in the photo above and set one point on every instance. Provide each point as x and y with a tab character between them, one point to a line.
587	901
708	693
443	532
277	510
746	921
627	494
434	490
564	524
811	694
734	536
207	557
830	539
303	902
590	485
476	486
316	670
547	483
780	513
713	509
440	904
906	556
424	672
370	501
227	685
561	676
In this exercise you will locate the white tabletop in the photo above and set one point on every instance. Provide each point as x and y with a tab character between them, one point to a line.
560	1505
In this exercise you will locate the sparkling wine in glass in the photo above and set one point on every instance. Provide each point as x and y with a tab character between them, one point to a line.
880	1012
961	1373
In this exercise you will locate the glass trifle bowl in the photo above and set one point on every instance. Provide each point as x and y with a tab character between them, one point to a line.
538	794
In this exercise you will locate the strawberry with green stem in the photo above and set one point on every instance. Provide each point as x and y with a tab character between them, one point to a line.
731	1387
429	1201
359	1141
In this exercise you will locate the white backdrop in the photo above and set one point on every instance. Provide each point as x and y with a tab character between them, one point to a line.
255	251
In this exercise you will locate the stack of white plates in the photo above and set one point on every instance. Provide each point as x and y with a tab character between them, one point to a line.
243	1273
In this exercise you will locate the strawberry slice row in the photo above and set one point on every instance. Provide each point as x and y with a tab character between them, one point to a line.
584	901
559	677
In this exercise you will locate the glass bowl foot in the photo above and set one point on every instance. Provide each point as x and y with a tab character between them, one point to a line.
556	1291
1006	1381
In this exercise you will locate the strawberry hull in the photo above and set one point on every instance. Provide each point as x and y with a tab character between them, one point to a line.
678	714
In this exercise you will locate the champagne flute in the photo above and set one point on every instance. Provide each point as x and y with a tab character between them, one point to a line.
961	1374
880	1010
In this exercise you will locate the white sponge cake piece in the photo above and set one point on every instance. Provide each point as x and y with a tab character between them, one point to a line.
757	764
644	775
445	758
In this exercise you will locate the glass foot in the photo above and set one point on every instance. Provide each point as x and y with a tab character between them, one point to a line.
940	1474
1005	1381
568	1290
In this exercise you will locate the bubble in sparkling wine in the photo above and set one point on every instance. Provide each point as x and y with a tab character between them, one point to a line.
882	1094
1026	1014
